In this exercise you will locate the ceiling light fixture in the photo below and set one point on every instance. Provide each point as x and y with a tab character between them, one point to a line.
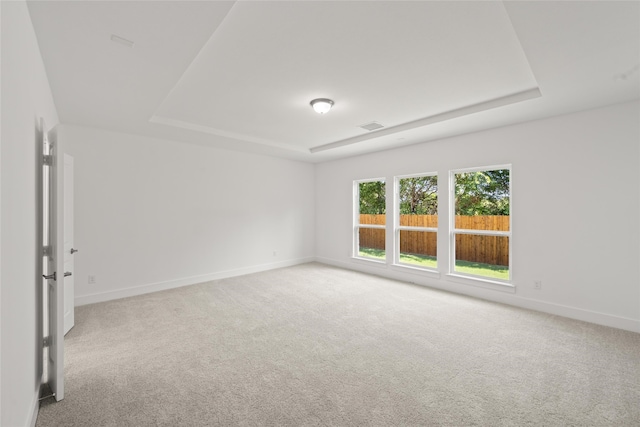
321	105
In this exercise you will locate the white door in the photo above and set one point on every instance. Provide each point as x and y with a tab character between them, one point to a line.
69	250
54	170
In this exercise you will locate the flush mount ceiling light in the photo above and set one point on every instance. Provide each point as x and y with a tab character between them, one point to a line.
321	105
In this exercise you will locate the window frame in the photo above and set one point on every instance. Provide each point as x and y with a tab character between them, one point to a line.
453	231
356	221
397	228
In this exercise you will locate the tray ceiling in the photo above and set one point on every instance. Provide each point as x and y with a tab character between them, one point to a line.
240	75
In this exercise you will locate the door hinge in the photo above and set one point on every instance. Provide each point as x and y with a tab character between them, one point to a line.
47	159
46	342
47	251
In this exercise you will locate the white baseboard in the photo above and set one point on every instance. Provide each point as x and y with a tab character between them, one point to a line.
34	410
604	319
162	286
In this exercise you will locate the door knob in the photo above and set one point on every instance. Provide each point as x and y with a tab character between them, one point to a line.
67	273
73	251
50	276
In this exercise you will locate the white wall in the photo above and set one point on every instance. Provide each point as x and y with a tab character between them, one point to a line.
575	210
152	214
26	97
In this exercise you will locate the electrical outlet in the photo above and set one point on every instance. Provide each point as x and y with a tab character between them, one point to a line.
92	280
537	284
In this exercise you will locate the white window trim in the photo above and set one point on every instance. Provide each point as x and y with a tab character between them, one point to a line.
481	281
453	231
356	222
397	227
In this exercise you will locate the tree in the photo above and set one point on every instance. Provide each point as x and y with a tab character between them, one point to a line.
482	192
419	195
372	198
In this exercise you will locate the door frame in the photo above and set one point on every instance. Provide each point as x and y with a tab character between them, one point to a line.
54	251
68	257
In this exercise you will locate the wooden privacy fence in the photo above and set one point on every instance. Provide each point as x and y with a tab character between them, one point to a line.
469	247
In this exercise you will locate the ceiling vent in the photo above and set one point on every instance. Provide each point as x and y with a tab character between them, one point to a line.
371	126
122	41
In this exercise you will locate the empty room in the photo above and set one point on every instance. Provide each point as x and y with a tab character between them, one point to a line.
332	213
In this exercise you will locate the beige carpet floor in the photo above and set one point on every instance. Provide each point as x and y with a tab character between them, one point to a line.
314	345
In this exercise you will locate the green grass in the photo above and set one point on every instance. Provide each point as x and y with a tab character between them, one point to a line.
371	253
414	259
419	260
485	270
467	267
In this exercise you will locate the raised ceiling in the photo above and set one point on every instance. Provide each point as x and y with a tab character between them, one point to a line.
240	75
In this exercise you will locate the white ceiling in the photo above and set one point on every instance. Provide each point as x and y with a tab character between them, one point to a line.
240	75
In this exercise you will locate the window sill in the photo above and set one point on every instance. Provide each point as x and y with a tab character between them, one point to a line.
482	283
416	270
369	260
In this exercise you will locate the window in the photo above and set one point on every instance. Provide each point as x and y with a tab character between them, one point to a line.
416	233
370	219
481	232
